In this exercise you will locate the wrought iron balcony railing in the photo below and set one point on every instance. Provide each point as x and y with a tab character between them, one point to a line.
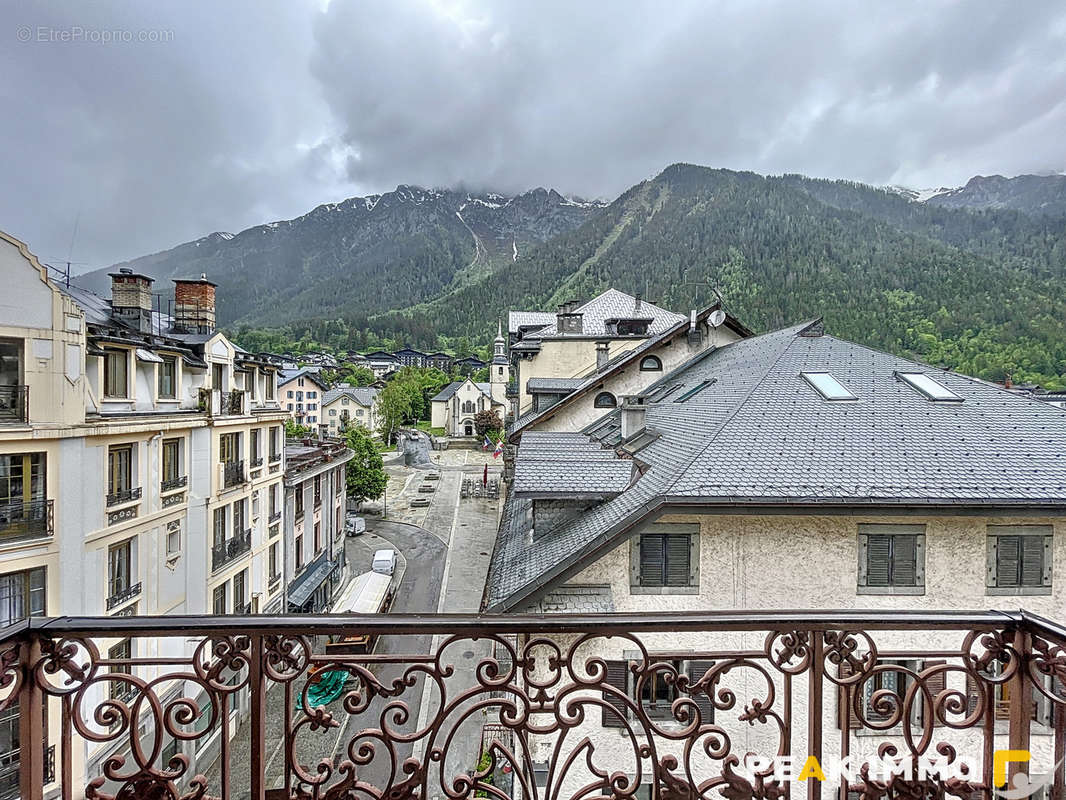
123	496
171	484
122	594
234	547
554	707
32	520
233	474
256	462
274	517
14	403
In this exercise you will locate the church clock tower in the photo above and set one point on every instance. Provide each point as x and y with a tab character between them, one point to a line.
499	369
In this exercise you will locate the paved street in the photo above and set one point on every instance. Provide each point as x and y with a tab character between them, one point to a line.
430	576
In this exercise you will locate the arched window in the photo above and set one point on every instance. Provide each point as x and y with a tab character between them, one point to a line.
468	407
604	400
651	364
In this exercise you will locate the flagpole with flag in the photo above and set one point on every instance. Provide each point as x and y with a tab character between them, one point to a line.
499	449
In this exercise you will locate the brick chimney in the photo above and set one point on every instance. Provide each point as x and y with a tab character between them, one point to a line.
567	321
131	299
194	305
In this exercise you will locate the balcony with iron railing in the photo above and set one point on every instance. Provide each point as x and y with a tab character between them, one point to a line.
27	520
220	403
123	496
233	474
231	549
172	484
123	594
14	404
560	707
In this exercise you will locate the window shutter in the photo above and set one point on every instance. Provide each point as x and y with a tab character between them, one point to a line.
678	552
878	551
696	670
1032	548
1008	557
651	560
843	707
617	677
905	560
936	684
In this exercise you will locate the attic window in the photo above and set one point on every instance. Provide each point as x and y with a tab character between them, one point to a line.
827	386
663	392
695	390
928	387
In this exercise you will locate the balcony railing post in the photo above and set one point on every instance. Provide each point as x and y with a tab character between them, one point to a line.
814	710
1021	701
257	698
31	727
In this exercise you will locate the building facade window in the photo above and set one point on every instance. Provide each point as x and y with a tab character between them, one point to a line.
22	478
174	537
22	595
268	383
229	447
1019	559
119	469
318	537
123	651
273	560
275	443
253	446
218	377
299	501
218	527
318	490
119	567
116	378
468	407
891	559
651	364
239	582
299	546
604	400
240	517
664	559
171	459
218	599
168	378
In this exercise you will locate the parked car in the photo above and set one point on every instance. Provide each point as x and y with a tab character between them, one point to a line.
384	561
354	526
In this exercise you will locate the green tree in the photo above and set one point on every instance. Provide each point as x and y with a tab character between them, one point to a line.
294	430
394	408
488	421
365	475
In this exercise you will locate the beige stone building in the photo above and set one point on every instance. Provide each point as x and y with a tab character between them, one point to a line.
576	367
792	471
453	409
301	392
350	405
141	456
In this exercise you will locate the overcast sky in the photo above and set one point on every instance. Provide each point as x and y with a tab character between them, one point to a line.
238	113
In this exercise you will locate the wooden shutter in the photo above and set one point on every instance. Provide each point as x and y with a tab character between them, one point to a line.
1008	557
1032	548
843	706
617	677
652	564
678	552
905	560
936	684
696	670
878	559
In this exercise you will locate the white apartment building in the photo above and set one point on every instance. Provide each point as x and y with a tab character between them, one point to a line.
141	457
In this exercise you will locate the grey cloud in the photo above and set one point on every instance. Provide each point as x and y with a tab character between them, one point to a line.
256	111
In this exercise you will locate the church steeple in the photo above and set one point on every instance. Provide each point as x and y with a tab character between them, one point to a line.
499	370
499	355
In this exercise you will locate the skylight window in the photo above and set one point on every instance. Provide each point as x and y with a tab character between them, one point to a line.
827	386
694	390
929	387
663	392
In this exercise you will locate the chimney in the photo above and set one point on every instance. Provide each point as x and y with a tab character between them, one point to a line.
636	305
131	299
603	354
194	305
695	336
566	320
633	415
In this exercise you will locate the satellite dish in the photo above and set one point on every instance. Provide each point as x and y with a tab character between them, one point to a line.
716	318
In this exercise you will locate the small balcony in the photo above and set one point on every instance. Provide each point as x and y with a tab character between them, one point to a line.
173	484
275	516
123	496
14	404
233	474
231	549
219	403
590	705
123	594
256	463
21	521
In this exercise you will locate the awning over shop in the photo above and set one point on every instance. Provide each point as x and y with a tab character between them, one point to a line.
301	589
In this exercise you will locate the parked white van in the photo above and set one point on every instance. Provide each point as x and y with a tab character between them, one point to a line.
385	561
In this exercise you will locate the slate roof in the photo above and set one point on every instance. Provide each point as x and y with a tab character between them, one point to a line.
524	319
553	384
287	375
363	395
571	477
612	304
758	434
449	390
